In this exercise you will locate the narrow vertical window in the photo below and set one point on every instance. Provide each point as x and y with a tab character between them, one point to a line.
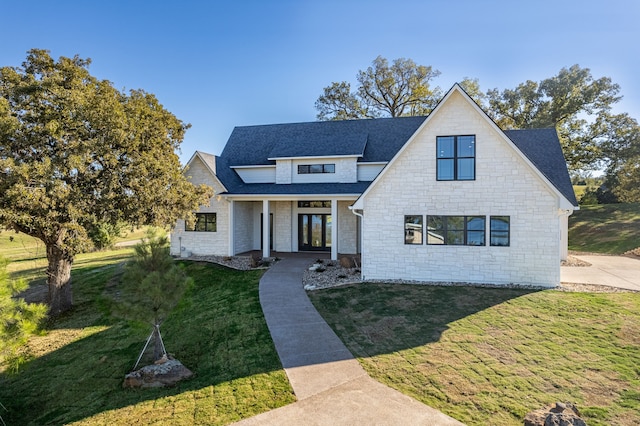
500	231
413	229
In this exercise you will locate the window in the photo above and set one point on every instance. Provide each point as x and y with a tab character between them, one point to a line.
305	169
456	157
500	231
205	222
413	229
314	204
456	230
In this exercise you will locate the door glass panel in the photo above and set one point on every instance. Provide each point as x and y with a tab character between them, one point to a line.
316	230
328	231
305	230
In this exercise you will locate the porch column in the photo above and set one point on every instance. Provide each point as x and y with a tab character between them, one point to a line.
265	229
334	229
232	231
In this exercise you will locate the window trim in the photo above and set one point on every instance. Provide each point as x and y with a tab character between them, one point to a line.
421	229
508	231
207	223
455	158
445	230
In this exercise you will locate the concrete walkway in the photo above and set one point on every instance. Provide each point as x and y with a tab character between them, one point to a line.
331	386
613	271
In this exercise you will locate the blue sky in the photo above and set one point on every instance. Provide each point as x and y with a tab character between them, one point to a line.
218	64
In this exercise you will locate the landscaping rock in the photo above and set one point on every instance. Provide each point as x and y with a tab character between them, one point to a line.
163	373
562	414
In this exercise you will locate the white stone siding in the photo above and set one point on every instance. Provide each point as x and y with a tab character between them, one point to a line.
203	243
243	226
282	223
346	171
347	229
283	171
504	185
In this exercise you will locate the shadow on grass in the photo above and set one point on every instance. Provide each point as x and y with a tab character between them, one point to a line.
385	318
218	331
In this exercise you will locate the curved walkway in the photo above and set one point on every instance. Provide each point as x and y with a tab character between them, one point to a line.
331	386
613	271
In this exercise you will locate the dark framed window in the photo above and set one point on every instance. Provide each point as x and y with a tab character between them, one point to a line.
500	231
413	229
205	222
314	204
305	169
456	230
456	157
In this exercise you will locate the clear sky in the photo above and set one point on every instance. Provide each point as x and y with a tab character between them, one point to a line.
220	64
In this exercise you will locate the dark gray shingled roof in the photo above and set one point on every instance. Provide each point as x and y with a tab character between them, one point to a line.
374	140
542	148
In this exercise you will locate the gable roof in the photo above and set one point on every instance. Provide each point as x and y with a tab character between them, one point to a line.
531	144
542	148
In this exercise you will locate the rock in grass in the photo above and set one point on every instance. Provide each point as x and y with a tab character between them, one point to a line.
157	375
562	414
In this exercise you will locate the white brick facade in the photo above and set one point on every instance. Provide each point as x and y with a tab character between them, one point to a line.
505	185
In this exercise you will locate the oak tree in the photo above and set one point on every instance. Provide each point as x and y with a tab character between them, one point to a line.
75	152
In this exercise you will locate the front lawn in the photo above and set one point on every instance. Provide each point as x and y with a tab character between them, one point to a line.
489	356
218	331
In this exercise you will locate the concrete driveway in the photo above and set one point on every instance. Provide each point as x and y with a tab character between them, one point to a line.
613	271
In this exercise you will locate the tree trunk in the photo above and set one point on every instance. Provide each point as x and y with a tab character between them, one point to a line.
59	280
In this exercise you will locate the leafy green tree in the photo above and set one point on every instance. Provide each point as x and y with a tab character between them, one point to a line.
393	90
76	152
152	285
571	101
18	319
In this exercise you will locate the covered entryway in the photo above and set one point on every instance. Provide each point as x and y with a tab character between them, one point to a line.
314	232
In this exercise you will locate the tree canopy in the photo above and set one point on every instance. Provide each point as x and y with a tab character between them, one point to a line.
76	152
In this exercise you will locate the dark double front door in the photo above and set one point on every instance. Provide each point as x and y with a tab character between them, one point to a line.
314	232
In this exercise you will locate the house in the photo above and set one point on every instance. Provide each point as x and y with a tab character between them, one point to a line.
448	197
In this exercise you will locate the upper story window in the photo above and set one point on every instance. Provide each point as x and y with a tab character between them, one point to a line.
205	222
305	169
314	204
456	157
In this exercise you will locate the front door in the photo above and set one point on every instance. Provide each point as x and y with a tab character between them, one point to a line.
314	232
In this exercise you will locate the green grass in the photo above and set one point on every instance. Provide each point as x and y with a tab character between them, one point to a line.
605	228
218	331
489	356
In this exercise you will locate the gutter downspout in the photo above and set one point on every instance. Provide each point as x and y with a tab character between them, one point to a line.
361	216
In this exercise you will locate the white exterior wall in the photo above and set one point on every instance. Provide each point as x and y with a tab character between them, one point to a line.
346	170
282	223
243	226
203	243
283	171
347	229
258	174
504	185
368	172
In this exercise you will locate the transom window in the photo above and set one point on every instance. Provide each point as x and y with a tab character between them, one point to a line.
500	230
314	204
456	230
205	222
305	169
456	157
413	229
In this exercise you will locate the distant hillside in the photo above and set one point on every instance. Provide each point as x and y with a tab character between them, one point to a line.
605	228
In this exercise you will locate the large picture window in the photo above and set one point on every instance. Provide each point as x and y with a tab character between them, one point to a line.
456	157
456	230
500	231
205	222
413	229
